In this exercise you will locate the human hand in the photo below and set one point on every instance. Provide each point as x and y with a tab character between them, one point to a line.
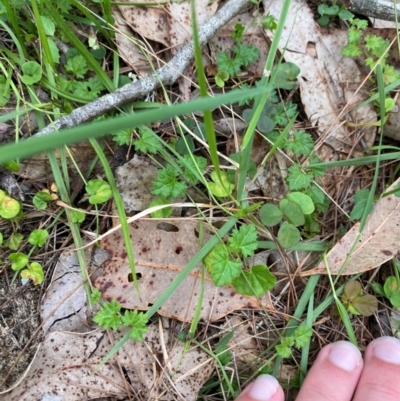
340	374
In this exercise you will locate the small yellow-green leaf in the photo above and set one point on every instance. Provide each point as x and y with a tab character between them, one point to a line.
35	273
9	207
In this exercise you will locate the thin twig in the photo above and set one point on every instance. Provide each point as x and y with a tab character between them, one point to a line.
165	75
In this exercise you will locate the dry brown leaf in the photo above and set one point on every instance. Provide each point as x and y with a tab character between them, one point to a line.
180	21
162	250
378	242
128	50
328	81
158	368
149	22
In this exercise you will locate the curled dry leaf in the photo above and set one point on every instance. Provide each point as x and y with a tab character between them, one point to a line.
162	250
66	367
378	242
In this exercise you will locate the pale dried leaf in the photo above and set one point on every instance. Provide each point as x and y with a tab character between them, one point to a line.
378	242
162	250
180	21
64	305
150	22
128	50
135	180
328	80
158	368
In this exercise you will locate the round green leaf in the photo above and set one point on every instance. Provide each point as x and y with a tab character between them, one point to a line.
18	260
77	216
32	72
332	10
391	285
185	146
305	201
265	124
163	213
345	15
99	191
395	298
270	215
38	237
9	207
255	282
35	273
288	235
294	214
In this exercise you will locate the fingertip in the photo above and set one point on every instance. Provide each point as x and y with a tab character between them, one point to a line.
264	388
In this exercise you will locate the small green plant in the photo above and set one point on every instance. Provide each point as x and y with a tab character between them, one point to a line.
298	340
300	207
110	317
372	47
230	63
9	207
225	265
269	22
356	302
19	260
391	287
99	191
327	13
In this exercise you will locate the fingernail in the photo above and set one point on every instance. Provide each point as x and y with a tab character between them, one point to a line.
345	355
263	388
387	349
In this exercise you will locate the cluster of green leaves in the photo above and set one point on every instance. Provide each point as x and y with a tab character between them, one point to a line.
356	302
224	263
9	207
295	208
298	339
110	317
306	199
230	63
374	49
186	169
274	114
391	287
75	79
327	13
20	261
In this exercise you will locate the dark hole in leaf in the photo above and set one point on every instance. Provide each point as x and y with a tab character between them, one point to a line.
170	228
178	250
149	305
138	277
133	225
196	233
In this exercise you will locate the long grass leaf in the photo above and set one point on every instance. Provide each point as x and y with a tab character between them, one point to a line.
95	129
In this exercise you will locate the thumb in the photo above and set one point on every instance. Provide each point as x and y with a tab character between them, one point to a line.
264	388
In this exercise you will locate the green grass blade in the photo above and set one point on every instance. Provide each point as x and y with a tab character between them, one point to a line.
95	129
120	208
208	119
